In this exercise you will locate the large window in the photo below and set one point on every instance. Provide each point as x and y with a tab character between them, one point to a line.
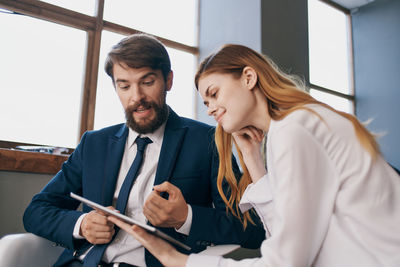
331	70
41	79
53	86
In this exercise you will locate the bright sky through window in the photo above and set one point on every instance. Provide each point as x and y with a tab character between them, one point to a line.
329	50
42	68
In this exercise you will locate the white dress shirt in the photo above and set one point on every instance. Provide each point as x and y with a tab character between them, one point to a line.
324	202
124	247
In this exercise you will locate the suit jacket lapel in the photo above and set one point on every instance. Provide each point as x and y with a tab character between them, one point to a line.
173	137
116	146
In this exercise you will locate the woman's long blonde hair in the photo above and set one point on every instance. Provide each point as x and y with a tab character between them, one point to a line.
284	94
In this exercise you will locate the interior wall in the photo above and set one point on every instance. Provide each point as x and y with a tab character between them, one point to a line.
376	33
16	191
285	35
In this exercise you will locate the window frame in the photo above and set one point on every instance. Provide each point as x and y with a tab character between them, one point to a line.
351	97
16	160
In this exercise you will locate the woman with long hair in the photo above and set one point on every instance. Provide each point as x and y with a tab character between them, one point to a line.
314	175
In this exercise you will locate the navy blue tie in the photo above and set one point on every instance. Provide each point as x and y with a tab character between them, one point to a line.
94	256
132	173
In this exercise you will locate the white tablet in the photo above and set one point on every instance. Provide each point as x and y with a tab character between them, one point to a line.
131	221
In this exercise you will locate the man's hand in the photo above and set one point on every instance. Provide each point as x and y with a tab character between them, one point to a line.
96	228
166	213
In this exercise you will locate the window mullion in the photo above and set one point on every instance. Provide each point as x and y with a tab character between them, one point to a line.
333	92
91	71
120	29
45	11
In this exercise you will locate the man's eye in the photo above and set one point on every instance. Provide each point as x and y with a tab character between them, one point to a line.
148	83
124	87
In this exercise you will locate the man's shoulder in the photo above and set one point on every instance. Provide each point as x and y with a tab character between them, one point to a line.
191	123
175	122
108	131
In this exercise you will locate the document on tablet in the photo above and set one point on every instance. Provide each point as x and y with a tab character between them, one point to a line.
131	221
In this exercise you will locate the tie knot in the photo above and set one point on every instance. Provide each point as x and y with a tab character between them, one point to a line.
142	142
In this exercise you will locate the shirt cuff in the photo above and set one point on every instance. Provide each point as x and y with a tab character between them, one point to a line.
256	194
77	227
259	197
185	228
196	260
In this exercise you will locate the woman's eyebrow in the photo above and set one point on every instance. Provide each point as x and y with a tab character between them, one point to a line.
207	93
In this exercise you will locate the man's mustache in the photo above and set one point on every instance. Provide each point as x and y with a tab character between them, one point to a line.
144	104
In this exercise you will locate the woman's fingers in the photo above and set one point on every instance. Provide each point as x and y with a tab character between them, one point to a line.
148	240
250	132
255	133
161	249
259	134
155	245
139	233
248	138
121	224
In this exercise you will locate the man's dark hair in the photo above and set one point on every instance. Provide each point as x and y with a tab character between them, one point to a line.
139	51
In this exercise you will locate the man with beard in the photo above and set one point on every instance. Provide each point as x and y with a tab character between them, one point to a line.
173	187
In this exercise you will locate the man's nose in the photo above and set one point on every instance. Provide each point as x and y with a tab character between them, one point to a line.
136	94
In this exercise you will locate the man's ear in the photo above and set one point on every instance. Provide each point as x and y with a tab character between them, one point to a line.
169	81
250	77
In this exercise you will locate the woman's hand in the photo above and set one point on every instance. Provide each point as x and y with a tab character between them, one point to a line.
162	250
249	140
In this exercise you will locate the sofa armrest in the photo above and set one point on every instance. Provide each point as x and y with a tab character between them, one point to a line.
27	249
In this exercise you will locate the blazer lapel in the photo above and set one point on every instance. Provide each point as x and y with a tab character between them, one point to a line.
173	137
116	146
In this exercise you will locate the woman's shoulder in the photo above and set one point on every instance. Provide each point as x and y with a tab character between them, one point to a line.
315	119
301	116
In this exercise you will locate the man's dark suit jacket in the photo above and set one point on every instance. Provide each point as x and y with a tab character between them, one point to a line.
188	159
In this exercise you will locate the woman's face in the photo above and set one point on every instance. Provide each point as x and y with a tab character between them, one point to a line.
228	99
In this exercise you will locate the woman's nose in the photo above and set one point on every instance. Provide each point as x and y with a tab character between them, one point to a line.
210	110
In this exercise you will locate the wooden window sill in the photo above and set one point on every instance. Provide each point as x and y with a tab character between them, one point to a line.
33	162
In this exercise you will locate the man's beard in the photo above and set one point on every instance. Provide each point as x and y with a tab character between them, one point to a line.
147	126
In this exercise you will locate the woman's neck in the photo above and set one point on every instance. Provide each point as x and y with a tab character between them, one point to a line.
260	117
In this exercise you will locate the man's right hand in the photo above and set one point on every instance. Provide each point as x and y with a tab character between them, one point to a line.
96	228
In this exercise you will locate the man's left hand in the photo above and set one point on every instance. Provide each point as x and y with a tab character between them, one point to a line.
171	212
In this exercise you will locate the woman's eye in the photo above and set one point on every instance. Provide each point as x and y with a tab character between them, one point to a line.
214	94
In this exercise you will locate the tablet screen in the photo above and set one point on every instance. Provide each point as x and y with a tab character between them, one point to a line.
131	221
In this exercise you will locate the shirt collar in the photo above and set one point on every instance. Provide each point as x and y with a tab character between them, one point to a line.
156	136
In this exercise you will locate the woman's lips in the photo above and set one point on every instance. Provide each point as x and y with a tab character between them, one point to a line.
219	117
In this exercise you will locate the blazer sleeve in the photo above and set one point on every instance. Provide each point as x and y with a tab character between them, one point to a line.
52	213
222	226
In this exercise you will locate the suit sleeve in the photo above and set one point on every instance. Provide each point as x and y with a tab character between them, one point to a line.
222	227
52	213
